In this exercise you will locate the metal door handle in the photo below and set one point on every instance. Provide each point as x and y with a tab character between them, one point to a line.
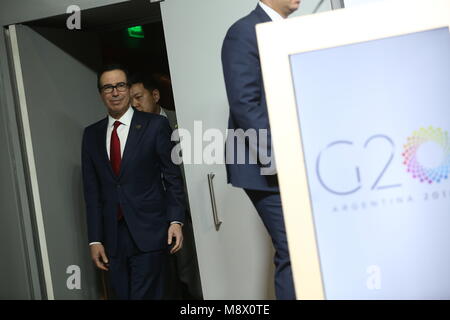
217	223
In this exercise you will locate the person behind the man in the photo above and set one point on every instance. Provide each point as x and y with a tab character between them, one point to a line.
248	110
145	97
183	280
132	219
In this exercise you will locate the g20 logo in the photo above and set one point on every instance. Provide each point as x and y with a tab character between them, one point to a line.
434	143
418	140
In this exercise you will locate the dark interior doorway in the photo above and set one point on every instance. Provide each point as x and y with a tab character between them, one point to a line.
143	52
105	38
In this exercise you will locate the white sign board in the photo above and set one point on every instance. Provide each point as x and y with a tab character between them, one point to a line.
352	3
360	120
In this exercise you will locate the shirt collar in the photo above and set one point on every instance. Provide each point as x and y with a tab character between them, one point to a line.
275	16
125	119
162	112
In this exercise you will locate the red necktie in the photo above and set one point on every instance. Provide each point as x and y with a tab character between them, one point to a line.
115	158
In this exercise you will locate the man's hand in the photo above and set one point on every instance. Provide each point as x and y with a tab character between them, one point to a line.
175	232
99	257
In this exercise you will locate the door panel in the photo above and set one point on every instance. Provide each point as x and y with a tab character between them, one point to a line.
236	261
15	273
57	99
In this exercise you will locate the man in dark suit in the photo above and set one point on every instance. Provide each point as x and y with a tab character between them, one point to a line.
183	279
255	169
132	214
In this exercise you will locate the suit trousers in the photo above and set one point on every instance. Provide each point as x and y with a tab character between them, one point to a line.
268	205
133	274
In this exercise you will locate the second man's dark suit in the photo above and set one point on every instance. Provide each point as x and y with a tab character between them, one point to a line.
248	110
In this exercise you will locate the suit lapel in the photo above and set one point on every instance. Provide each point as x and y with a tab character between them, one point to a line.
101	141
137	128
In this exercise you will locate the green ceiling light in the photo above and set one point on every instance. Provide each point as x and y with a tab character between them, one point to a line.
136	32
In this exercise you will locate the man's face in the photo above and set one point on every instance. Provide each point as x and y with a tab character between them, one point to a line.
117	100
285	7
144	100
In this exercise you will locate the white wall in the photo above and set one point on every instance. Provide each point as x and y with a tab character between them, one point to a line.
307	7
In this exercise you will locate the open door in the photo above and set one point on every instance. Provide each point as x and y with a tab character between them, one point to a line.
56	97
234	251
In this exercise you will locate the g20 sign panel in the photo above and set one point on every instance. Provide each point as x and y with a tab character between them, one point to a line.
360	114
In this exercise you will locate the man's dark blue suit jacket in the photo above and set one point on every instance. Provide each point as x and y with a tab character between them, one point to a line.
247	101
148	203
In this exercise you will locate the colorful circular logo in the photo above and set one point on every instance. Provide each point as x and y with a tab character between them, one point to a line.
415	142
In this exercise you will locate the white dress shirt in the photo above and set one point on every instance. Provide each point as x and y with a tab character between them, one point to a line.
122	130
275	16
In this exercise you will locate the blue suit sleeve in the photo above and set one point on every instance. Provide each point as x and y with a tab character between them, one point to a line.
173	181
244	84
91	194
